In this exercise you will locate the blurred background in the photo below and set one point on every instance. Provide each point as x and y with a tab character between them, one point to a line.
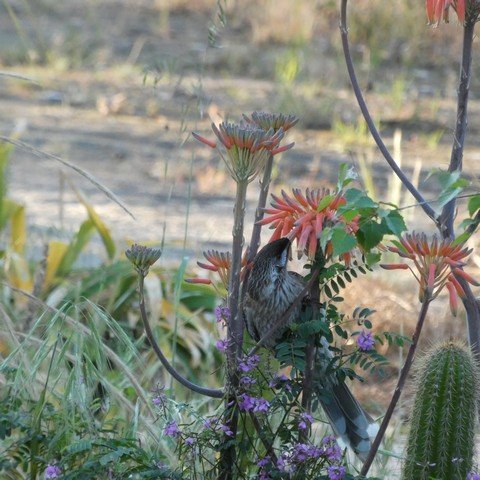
117	86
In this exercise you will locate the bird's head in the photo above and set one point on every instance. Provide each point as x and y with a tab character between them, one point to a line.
269	265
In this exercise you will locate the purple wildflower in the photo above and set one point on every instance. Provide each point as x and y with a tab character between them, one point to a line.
246	402
365	341
261	405
222	345
331	448
248	363
159	399
253	404
189	441
305	421
210	423
301	452
263	462
473	476
222	314
336	472
280	381
52	471
247	380
172	430
226	429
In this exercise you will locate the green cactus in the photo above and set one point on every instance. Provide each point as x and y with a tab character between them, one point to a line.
441	439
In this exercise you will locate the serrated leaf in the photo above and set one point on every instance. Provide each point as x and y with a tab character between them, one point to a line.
371	233
342	241
395	222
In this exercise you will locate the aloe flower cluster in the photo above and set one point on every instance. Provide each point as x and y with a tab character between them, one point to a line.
246	147
438	10
436	264
305	216
143	257
220	263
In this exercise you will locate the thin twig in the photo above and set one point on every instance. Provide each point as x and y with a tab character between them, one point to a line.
400	384
368	119
209	392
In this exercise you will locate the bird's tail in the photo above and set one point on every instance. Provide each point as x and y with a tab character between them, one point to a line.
350	422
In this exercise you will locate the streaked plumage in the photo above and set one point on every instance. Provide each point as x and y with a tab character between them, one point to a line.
271	289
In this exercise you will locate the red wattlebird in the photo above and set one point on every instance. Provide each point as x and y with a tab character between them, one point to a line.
270	291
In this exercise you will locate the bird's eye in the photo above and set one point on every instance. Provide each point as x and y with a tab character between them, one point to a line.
278	268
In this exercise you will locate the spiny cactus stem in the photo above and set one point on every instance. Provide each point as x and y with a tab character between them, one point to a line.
400	384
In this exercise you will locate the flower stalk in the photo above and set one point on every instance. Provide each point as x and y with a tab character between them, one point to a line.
400	384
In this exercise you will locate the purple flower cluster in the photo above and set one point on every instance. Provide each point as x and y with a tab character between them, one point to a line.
248	363
222	345
247	381
172	430
336	472
300	453
222	314
280	381
473	476
52	471
331	449
305	421
253	404
365	341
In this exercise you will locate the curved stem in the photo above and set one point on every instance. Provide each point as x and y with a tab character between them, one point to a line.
368	119
398	389
209	392
448	212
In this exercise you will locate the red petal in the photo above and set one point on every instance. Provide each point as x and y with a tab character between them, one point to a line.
204	140
431	276
213	268
466	276
453	298
204	281
394	266
457	286
312	244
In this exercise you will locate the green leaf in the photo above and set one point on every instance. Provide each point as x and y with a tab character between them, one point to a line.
395	222
342	241
346	175
324	202
371	234
452	185
371	258
473	205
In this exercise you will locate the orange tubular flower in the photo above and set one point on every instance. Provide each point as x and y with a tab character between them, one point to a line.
305	216
436	263
220	263
276	121
246	147
438	10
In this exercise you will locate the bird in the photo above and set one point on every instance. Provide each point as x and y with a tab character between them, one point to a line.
270	290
